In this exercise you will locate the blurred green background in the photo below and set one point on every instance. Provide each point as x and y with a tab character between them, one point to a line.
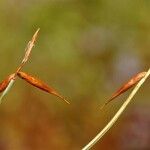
86	49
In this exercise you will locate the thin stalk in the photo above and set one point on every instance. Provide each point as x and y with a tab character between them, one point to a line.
7	89
117	115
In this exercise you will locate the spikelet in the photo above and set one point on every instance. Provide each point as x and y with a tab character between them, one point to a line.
134	80
40	84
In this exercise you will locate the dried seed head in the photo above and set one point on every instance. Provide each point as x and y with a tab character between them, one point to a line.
5	82
28	49
134	80
40	84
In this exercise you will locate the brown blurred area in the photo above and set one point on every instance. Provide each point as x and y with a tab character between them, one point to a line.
86	50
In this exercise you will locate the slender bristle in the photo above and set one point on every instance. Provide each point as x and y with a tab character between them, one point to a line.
58	95
103	105
65	100
35	35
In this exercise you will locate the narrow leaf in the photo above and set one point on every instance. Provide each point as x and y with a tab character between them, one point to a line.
40	84
134	80
28	49
4	83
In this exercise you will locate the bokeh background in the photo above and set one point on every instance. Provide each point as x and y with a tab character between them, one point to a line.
86	49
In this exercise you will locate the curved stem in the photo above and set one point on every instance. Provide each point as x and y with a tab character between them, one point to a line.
117	115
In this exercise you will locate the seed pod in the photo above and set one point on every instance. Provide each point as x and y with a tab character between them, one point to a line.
40	84
5	82
134	80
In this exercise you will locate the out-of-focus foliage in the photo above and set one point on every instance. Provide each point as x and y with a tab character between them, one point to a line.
86	49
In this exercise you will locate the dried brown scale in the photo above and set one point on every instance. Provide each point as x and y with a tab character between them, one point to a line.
5	82
39	84
134	80
28	49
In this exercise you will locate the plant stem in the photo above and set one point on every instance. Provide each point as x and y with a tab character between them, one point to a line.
7	89
117	115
